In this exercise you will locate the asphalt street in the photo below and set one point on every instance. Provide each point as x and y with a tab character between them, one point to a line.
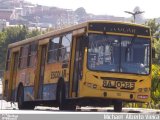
7	107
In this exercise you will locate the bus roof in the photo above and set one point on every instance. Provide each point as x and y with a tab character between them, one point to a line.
64	30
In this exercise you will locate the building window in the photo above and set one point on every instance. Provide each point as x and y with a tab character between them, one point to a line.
53	50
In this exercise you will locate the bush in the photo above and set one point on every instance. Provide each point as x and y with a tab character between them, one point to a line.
155	88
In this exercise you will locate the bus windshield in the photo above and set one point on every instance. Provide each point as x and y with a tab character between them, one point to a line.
119	54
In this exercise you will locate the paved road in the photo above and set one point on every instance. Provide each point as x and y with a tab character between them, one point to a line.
7	107
10	110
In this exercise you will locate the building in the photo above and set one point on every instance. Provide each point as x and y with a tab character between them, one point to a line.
7	14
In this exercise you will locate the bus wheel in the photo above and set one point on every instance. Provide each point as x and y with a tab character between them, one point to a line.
61	96
20	98
63	103
29	106
21	104
117	106
70	106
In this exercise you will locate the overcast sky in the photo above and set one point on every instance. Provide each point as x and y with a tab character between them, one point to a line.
109	7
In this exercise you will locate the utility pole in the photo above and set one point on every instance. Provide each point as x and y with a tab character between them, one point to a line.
134	14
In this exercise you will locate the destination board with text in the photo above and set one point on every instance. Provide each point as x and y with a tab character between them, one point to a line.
119	28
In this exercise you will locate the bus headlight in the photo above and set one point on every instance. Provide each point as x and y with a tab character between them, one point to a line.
143	89
140	90
146	89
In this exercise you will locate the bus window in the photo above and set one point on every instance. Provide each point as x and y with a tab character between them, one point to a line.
65	48
53	50
23	56
32	54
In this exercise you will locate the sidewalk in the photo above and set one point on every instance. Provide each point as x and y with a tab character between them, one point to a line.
3	104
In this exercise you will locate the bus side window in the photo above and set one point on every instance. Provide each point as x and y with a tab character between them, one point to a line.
53	50
32	54
8	60
65	48
23	57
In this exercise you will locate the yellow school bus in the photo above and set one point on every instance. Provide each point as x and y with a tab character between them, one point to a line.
96	63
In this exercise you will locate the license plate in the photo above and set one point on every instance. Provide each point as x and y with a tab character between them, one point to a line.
118	84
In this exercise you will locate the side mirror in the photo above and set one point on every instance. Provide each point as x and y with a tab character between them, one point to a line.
153	52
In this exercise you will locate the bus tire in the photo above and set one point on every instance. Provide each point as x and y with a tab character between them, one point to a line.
20	99
117	106
71	107
61	95
61	99
29	106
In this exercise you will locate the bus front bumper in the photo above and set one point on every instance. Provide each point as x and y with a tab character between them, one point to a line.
115	94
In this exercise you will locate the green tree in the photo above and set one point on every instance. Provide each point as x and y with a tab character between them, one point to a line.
154	26
157	51
34	33
155	88
11	35
2	49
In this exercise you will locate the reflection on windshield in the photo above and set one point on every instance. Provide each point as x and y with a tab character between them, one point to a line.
118	54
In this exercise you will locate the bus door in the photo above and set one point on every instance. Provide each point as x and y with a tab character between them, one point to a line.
43	50
77	65
13	76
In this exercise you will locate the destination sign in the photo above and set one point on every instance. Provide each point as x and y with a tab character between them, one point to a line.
119	28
